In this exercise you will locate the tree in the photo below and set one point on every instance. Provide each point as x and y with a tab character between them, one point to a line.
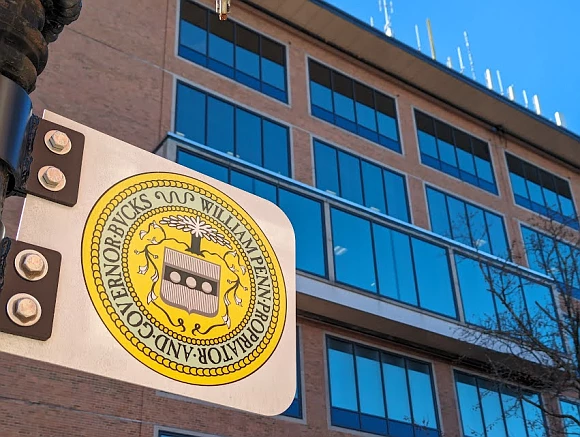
198	229
529	323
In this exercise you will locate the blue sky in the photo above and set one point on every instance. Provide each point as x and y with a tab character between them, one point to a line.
531	42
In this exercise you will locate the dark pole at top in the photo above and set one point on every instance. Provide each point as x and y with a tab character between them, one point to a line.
26	29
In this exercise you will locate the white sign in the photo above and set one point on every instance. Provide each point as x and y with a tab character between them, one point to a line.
169	279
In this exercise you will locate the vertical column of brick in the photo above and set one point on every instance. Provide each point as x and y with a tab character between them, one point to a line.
302	156
447	400
315	379
415	186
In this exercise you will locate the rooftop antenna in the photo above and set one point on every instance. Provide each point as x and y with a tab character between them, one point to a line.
372	22
559	119
510	92
449	64
461	65
526	103
499	82
418	37
536	101
388	23
469	56
431	42
488	81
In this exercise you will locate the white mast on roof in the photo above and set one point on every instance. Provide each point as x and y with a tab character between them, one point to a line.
461	65
418	37
559	119
469	56
500	83
511	93
388	24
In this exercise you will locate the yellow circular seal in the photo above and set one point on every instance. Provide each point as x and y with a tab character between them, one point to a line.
184	278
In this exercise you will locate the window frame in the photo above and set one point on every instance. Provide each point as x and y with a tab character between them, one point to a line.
436	119
485	209
328	335
177	81
361	159
554	178
400	141
236	22
480	376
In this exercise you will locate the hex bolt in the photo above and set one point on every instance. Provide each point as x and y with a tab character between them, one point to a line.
32	265
23	309
52	176
58	140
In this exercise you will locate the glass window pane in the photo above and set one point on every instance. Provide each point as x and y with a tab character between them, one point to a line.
497	235
276	146
220	125
507	290
492	412
374	193
255	186
365	106
534	417
341	375
370	384
326	168
273	74
469	406
343	96
350	177
459	220
248	52
433	277
397	392
466	161
306	218
201	165
477	299
394	264
396	190
190	113
484	170
421	395
513	413
571	426
447	153
353	254
248	136
428	144
320	86
478	228
567	207
535	250
221	40
438	213
519	185
542	312
385	105
387	126
193	37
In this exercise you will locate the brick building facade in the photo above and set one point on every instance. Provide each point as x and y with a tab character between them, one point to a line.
121	68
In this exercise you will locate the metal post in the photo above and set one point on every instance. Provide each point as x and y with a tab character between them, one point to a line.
26	29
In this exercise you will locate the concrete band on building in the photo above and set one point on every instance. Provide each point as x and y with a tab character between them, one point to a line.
375	153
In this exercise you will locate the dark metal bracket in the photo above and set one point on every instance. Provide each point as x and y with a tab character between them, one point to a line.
28	293
68	161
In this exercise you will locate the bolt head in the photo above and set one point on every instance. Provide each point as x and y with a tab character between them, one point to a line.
32	265
59	140
25	309
52	176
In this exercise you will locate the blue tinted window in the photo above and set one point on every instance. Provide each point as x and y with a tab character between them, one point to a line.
454	152
306	217
231	129
493	410
467	223
353	254
433	277
201	165
248	136
220	125
571	426
350	177
360	181
234	51
542	192
276	145
295	408
353	106
379	393
190	114
555	258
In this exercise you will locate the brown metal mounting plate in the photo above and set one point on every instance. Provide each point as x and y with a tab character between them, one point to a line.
70	164
44	290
